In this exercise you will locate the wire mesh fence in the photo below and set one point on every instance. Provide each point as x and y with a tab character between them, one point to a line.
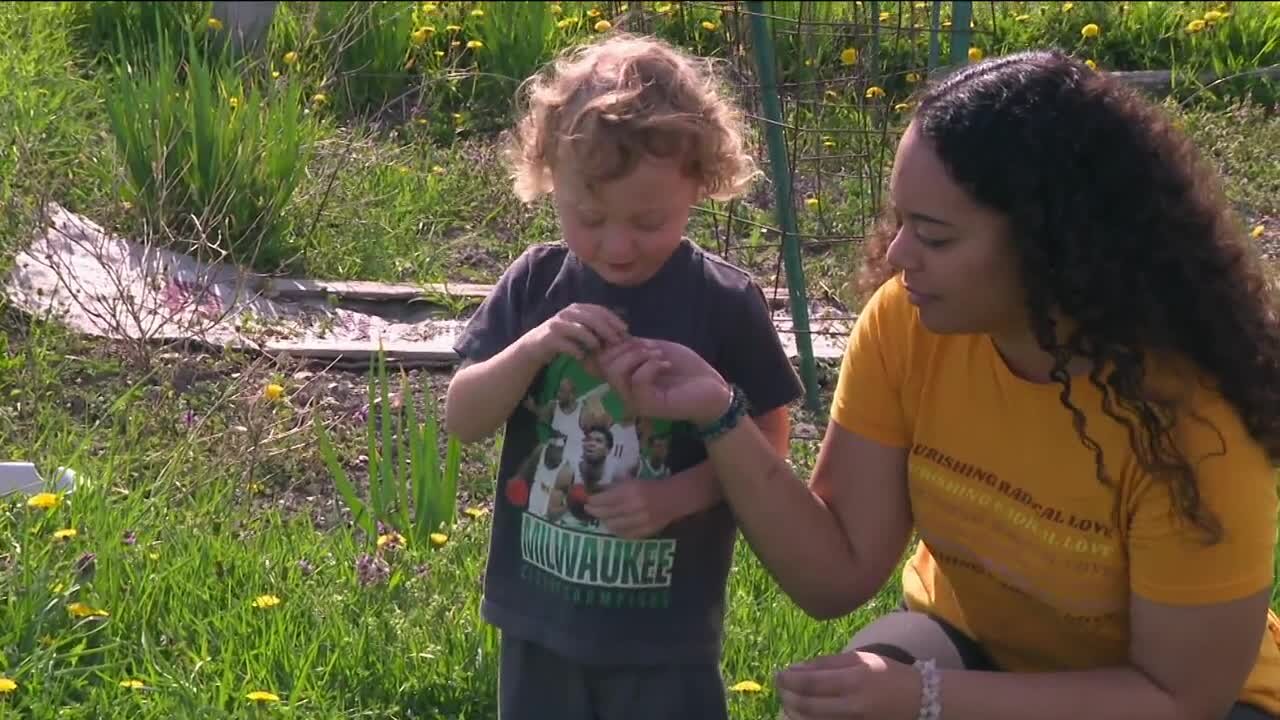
827	87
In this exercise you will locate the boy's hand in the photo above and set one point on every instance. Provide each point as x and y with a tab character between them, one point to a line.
634	509
580	330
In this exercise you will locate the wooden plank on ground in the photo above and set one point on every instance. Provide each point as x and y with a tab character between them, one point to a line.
829	336
294	289
298	289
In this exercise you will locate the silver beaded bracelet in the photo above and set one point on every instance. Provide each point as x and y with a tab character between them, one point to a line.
930	690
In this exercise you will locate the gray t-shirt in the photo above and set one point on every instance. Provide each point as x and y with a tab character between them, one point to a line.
557	577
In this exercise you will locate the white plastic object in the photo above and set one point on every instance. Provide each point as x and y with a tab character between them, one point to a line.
22	477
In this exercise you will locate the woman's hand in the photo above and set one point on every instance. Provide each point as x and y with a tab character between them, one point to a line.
658	378
848	686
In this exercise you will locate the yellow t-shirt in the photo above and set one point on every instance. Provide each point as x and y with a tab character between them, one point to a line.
1019	547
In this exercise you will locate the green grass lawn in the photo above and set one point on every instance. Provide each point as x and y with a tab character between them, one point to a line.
211	556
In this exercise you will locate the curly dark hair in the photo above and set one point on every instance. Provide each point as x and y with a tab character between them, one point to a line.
1120	226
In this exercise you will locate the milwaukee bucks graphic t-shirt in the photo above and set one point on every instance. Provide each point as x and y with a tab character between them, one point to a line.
556	575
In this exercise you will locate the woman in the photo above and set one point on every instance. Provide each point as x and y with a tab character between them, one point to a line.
1067	383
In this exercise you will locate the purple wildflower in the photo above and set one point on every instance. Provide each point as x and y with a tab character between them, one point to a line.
372	570
86	564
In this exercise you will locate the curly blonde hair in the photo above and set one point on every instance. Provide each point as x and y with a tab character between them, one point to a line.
602	106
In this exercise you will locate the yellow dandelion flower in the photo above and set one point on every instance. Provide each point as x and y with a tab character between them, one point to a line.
437	170
428	7
1090	31
132	684
453	28
1195	26
7	685
603	26
319	99
567	22
593	12
746	686
439	53
556	10
1066	7
912	78
811	203
475	44
273	391
420	36
474	513
153	556
391	538
828	144
902	107
709	26
275	74
291	57
439	539
1091	64
65	534
214	24
234	102
1214	16
262	696
662	8
57	588
1021	18
849	56
266	602
44	501
81	610
477	13
1256	232
886	17
874	92
975	54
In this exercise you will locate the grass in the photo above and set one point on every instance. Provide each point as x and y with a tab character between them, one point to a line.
195	507
205	495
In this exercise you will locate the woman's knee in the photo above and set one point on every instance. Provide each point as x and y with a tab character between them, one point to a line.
908	636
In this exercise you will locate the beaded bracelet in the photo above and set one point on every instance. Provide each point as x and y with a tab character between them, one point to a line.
930	690
738	408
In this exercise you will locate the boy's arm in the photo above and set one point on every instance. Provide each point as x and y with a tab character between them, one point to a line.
639	508
696	489
483	395
755	360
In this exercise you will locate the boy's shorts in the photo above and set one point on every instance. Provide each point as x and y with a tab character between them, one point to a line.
535	684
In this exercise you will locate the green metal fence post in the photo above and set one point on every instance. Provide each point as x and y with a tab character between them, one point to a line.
935	35
961	15
780	170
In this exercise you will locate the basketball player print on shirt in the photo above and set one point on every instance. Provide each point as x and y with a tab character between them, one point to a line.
588	441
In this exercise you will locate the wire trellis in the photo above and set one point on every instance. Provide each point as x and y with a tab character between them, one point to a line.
827	88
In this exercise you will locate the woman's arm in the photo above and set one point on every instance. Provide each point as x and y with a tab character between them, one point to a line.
832	546
1186	663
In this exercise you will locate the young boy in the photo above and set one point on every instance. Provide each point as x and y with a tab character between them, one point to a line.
606	577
